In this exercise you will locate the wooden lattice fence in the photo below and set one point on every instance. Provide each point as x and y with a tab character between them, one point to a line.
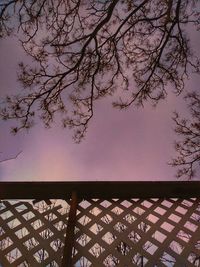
124	232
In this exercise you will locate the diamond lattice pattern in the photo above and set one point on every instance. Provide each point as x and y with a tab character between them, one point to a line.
137	232
32	234
108	233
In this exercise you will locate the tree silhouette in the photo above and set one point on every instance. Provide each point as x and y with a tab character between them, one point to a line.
85	50
188	147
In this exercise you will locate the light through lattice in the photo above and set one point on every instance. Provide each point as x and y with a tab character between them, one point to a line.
136	232
114	232
31	234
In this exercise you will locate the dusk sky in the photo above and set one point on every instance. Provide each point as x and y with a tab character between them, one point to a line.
134	144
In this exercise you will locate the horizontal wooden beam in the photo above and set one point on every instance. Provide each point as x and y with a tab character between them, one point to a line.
104	190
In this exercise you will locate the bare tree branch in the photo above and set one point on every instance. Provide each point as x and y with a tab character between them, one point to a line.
188	147
10	158
85	50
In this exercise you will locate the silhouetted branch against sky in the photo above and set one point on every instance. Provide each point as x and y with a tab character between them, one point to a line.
188	145
10	158
85	50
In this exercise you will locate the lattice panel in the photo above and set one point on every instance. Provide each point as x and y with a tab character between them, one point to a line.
32	235
137	232
124	233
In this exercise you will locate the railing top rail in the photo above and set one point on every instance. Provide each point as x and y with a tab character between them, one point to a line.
97	189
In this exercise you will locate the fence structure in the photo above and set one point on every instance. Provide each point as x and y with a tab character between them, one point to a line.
99	224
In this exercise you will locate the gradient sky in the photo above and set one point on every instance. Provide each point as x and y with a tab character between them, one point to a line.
135	144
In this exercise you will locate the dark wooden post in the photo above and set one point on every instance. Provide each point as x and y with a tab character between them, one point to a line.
69	239
142	262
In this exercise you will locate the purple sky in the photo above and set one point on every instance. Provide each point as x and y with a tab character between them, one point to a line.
135	144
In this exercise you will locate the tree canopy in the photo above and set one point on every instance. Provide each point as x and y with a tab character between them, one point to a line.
84	50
